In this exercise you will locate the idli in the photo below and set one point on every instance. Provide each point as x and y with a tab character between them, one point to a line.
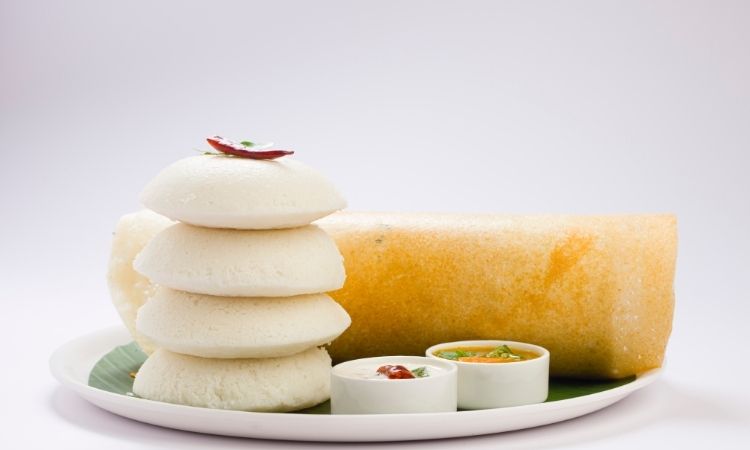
129	289
240	327
241	263
228	192
270	385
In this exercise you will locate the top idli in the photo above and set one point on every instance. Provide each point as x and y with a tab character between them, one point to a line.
220	191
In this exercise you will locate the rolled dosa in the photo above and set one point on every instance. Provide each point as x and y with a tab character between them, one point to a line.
596	291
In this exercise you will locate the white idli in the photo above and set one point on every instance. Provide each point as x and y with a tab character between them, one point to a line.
270	385
240	327
129	289
242	263
230	192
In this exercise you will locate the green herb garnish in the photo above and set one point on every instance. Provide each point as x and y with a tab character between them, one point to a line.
502	352
420	372
247	143
453	355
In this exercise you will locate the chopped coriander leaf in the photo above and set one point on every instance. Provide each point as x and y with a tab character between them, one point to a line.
247	143
420	372
502	351
454	354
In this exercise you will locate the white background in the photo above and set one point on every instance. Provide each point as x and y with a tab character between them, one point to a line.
493	106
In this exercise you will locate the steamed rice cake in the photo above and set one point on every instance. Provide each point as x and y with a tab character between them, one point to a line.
128	289
239	327
243	263
227	192
281	384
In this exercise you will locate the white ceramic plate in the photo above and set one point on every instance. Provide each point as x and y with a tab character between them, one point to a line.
72	363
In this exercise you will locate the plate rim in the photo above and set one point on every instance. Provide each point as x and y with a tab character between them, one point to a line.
60	360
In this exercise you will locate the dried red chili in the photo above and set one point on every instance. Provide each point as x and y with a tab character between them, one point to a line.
242	151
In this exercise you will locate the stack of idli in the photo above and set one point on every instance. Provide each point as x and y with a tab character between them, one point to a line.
239	314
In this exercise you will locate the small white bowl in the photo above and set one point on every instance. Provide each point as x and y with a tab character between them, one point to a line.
356	390
497	385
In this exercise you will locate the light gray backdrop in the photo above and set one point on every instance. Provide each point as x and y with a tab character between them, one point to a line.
489	106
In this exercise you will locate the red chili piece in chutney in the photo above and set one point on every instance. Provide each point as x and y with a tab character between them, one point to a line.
395	372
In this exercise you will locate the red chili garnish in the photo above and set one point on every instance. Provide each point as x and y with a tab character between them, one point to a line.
233	148
395	372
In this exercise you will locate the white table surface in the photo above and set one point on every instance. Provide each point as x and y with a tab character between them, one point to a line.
489	106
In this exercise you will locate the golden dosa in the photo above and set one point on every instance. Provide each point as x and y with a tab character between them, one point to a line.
596	291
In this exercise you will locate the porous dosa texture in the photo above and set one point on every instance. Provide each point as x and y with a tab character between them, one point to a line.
129	289
597	291
270	385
